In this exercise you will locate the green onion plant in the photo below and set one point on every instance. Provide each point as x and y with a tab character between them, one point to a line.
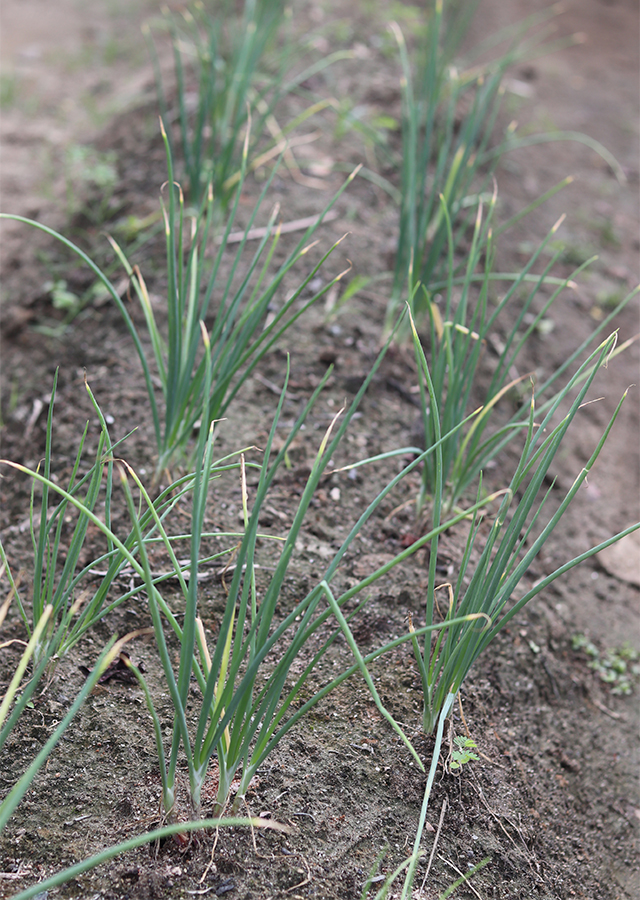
64	619
230	70
247	703
488	592
247	319
465	324
69	594
449	114
12	705
440	153
517	535
220	85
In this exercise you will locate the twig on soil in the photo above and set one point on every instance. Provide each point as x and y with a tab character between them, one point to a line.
23	870
435	843
608	712
38	406
528	853
255	234
273	387
211	864
457	870
307	880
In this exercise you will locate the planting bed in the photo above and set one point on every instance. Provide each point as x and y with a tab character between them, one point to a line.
553	799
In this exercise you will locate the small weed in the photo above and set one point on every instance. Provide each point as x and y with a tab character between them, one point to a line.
608	299
89	170
575	254
608	235
463	753
62	297
9	90
618	667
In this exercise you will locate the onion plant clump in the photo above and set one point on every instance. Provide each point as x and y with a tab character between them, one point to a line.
18	697
230	70
465	324
68	593
244	321
66	603
448	119
500	549
515	533
246	701
519	530
221	82
449	114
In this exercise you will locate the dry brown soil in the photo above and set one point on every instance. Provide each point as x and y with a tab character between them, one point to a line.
554	799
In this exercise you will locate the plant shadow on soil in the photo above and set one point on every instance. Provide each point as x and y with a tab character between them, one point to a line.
553	799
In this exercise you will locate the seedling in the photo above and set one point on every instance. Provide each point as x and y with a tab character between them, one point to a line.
88	170
617	667
462	325
463	753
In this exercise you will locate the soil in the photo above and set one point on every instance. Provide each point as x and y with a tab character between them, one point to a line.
553	799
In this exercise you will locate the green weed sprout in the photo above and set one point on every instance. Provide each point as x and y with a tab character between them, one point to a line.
62	582
616	666
463	752
88	170
240	334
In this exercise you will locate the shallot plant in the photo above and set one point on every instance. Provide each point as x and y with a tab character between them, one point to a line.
519	530
21	691
247	702
501	547
230	70
505	545
449	114
466	326
75	579
220	84
245	320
